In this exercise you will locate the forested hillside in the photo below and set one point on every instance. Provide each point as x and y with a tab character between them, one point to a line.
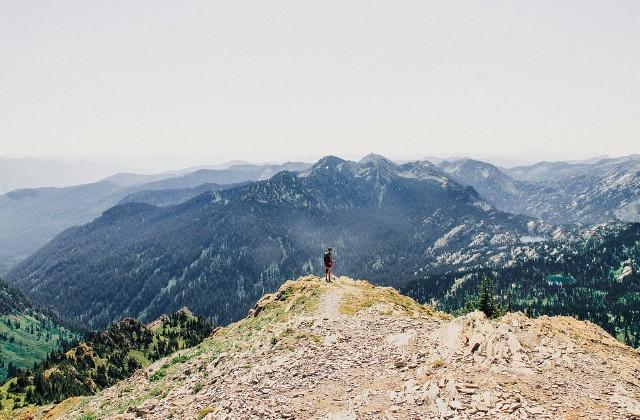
27	334
594	277
104	358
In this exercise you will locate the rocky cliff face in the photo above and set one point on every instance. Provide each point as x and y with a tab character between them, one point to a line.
350	350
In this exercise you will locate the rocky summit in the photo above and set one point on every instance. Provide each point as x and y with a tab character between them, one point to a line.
350	350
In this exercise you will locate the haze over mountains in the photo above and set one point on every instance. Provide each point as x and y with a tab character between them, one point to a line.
31	217
220	251
33	173
558	192
215	240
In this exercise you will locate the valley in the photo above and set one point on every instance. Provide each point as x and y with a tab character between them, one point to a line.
28	334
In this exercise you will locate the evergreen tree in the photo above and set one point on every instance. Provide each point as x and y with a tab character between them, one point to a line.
485	301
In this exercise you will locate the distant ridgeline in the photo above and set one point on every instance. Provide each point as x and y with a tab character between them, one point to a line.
104	358
593	277
221	251
27	334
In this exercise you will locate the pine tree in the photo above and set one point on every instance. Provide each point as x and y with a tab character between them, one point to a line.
486	301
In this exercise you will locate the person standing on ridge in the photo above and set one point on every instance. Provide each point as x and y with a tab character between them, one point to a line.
328	264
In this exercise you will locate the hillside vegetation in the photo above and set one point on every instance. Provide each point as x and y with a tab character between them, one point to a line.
595	277
104	358
27	334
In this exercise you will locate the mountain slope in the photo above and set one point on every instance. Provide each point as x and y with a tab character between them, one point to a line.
31	217
593	275
233	175
558	192
172	197
497	187
105	358
11	299
220	251
27	334
351	350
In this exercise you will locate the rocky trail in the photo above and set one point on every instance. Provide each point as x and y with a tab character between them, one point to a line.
348	350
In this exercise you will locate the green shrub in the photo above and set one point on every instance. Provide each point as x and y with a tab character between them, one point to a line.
158	374
203	413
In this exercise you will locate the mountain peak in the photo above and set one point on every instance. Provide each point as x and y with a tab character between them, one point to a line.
377	352
159	323
328	164
372	157
184	311
329	161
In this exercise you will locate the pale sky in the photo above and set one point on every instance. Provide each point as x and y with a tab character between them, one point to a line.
190	82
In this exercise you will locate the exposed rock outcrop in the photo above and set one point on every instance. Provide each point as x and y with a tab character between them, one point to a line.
347	350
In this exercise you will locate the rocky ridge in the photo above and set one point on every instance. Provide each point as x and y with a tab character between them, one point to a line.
347	349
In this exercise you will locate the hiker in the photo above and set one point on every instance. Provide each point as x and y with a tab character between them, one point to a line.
328	264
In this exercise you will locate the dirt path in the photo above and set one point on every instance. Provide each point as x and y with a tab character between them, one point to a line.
329	307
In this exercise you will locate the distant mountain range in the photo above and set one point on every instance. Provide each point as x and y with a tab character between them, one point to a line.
592	191
31	217
558	192
215	239
220	251
34	173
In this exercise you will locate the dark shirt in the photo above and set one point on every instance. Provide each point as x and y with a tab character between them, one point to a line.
328	259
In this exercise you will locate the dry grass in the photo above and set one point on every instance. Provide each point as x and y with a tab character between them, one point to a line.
57	411
389	299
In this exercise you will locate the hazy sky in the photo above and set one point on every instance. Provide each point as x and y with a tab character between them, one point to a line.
207	81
